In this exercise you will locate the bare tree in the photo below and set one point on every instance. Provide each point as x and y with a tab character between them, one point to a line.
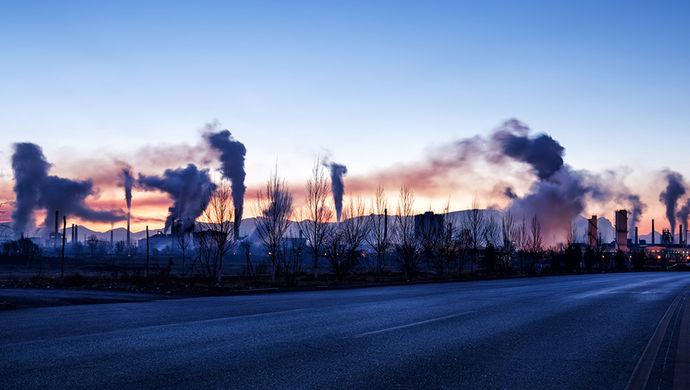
182	239
521	241
447	243
406	244
378	238
291	257
535	242
437	244
274	210
216	237
335	250
355	229
463	244
474	222
491	239
318	214
492	231
507	232
427	233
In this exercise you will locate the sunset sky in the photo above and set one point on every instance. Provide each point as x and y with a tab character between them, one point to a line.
374	85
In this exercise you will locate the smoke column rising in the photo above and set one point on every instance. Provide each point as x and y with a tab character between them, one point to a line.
542	153
337	186
30	169
637	208
675	188
190	189
232	154
684	213
127	183
35	189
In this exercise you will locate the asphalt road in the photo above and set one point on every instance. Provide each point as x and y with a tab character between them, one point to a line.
596	331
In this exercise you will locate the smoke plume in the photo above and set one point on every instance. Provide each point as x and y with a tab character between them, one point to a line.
637	208
30	169
190	189
68	196
675	188
127	183
232	153
684	213
34	189
337	186
542	153
560	193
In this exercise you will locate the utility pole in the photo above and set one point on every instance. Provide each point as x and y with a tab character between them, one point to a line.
62	251
385	225
147	252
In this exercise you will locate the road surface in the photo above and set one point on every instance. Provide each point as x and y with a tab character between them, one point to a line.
593	331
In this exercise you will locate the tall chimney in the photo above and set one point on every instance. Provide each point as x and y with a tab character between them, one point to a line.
592	232
57	222
128	217
111	235
385	224
76	233
621	218
652	231
636	236
680	234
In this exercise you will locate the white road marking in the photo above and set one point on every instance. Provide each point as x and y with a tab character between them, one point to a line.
412	324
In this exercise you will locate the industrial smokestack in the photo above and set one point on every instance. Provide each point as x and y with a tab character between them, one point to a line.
622	230
128	231
680	235
637	242
652	231
385	224
592	232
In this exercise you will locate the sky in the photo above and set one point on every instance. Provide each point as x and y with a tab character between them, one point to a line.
371	84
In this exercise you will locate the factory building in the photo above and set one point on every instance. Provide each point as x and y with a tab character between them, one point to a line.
667	250
159	242
428	224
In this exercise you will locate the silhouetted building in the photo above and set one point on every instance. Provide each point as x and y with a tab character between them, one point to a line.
159	242
428	224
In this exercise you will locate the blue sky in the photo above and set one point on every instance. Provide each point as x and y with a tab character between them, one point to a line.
374	82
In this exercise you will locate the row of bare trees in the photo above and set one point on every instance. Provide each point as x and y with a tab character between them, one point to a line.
366	232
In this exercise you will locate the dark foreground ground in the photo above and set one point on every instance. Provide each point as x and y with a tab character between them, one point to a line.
594	331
